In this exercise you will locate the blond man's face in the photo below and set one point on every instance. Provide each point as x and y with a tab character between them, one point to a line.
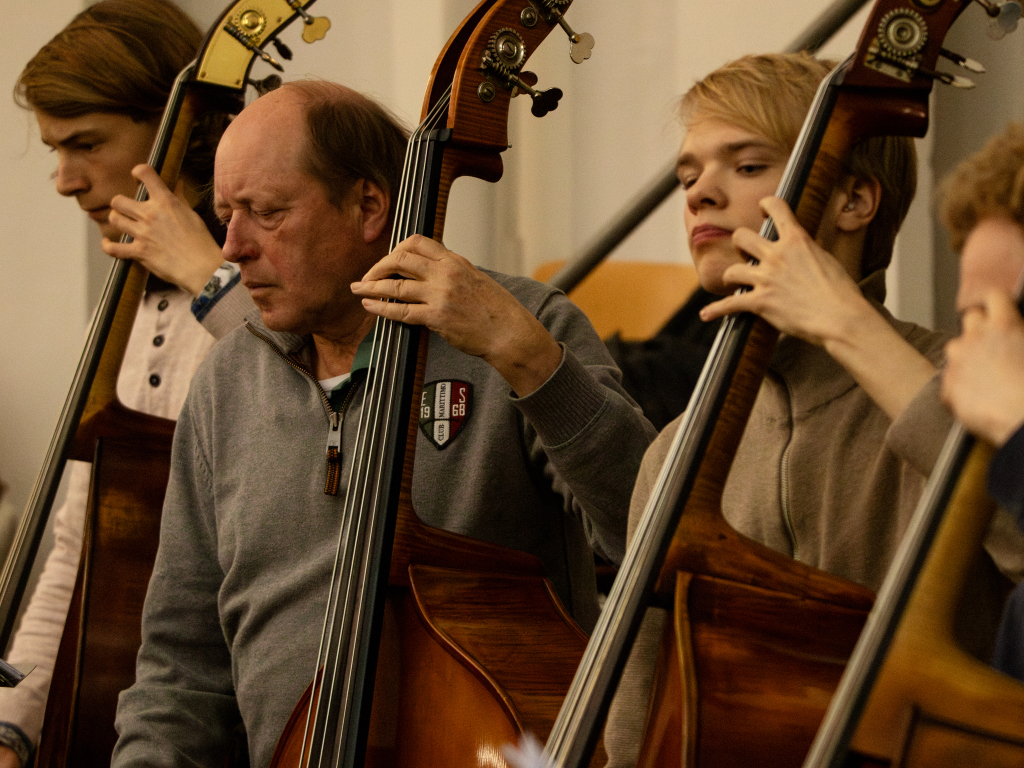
726	171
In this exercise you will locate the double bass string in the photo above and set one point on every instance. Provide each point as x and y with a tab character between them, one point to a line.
352	591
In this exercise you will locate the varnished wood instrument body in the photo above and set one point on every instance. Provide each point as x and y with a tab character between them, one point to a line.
96	658
130	451
471	647
467	662
743	671
933	703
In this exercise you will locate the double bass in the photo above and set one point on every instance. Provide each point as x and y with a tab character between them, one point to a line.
911	694
129	450
756	642
437	648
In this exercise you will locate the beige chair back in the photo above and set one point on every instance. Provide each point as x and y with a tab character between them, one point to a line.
635	298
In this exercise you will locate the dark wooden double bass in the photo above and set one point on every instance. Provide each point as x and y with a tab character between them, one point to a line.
129	450
756	642
439	649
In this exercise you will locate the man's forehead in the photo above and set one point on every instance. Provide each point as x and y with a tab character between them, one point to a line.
279	111
270	133
261	172
721	139
55	130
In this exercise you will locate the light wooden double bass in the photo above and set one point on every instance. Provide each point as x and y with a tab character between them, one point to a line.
911	694
129	450
438	649
756	642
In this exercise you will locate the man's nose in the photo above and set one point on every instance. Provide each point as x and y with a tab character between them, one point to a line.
237	245
704	191
70	178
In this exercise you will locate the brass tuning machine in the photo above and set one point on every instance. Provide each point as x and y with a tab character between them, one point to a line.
502	61
898	47
580	45
245	29
315	26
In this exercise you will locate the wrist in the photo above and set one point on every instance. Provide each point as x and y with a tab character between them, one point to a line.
203	272
526	363
853	324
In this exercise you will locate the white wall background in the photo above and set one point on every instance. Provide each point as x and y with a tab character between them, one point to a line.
566	175
43	298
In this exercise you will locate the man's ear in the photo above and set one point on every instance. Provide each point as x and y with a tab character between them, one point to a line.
860	200
375	205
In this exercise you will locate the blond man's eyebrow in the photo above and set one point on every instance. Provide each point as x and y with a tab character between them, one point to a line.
733	148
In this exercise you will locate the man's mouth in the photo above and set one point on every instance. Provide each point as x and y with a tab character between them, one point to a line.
707	232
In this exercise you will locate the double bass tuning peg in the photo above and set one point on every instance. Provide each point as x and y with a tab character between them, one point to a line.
580	45
543	101
502	61
943	77
969	64
266	85
315	27
1004	17
957	82
283	50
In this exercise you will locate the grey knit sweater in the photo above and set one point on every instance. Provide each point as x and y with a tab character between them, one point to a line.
235	606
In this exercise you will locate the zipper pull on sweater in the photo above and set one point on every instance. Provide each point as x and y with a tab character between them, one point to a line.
333	455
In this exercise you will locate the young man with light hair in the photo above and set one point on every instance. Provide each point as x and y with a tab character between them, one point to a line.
847	423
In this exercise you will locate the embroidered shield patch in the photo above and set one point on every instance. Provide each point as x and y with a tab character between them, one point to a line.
444	410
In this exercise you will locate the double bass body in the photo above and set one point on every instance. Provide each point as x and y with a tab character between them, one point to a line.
460	671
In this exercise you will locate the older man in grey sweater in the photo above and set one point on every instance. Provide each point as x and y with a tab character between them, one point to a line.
541	455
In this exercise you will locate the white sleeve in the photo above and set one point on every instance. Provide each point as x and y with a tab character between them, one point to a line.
38	636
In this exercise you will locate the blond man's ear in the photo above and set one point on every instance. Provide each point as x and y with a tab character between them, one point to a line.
860	200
